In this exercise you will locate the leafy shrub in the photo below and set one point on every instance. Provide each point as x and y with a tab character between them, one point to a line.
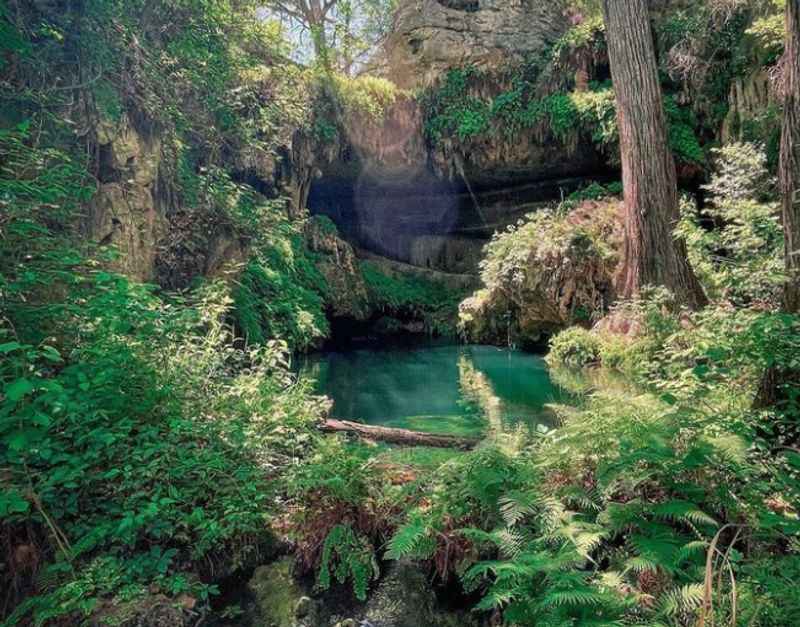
597	112
464	493
144	443
412	297
575	347
611	516
588	34
344	513
451	111
769	31
366	95
682	138
740	257
578	347
281	293
523	247
140	440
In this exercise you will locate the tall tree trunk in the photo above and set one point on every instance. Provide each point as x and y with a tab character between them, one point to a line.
316	15
789	168
774	390
651	256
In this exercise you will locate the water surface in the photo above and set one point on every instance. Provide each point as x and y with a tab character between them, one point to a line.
466	390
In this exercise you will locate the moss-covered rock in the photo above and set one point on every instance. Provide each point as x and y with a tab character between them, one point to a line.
555	270
280	601
347	291
405	598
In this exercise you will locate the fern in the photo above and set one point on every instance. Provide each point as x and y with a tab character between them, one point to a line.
575	598
350	556
692	549
639	564
659	544
409	540
588	500
517	505
683	510
509	542
685	599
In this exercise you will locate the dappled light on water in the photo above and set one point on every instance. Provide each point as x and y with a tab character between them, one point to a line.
459	390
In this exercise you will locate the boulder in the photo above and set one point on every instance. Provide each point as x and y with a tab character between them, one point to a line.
561	274
402	598
280	601
405	598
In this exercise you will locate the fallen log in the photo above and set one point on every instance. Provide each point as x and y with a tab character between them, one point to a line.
398	436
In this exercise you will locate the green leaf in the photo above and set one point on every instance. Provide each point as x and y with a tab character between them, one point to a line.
13	502
51	354
669	399
19	388
24	439
9	347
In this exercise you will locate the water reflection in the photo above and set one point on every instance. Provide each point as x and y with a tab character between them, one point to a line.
463	390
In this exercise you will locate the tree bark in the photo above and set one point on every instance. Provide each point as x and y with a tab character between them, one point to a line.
398	436
774	386
651	255
789	166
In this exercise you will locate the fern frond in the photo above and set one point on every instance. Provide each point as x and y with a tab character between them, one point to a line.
347	554
661	545
587	500
575	598
688	598
553	514
639	564
495	599
510	542
690	549
730	447
588	541
408	540
611	580
683	510
516	505
621	516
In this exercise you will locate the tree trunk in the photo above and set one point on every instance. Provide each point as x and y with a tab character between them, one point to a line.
316	15
398	436
789	168
652	255
774	390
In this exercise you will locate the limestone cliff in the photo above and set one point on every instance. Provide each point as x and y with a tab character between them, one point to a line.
398	191
380	177
749	99
432	36
125	212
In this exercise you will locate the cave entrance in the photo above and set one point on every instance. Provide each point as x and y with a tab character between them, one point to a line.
428	222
